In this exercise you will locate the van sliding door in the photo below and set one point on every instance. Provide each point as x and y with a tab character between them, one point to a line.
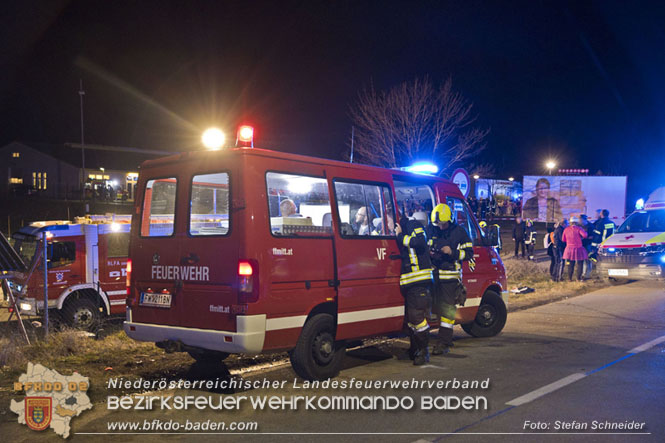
369	299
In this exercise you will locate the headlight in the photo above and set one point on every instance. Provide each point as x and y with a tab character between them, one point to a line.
25	306
15	286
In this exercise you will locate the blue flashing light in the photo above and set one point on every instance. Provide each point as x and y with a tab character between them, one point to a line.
639	204
662	258
611	250
422	168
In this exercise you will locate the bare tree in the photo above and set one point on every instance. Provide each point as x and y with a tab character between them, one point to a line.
415	121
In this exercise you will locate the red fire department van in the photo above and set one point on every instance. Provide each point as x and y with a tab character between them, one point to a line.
87	268
250	251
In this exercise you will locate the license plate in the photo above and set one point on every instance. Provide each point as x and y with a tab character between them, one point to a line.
156	300
618	272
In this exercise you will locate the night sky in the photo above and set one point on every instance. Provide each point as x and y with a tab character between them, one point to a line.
582	81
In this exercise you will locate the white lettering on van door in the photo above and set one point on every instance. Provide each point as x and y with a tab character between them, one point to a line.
381	253
191	273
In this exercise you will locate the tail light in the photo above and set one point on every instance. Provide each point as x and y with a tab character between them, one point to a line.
248	281
129	281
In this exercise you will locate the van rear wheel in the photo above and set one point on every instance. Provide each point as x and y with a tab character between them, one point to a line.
490	319
317	356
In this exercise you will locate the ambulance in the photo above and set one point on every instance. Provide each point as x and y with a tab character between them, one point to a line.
636	251
86	268
247	250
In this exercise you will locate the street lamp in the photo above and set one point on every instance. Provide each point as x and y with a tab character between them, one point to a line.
476	176
213	138
550	165
511	179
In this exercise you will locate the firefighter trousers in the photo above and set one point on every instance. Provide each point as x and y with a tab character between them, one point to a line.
418	300
445	296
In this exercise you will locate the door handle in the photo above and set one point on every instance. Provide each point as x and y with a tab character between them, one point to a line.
394	256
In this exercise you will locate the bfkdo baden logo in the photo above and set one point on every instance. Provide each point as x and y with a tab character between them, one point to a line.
51	399
38	412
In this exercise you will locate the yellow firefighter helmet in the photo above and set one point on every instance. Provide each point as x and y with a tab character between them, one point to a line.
483	224
441	213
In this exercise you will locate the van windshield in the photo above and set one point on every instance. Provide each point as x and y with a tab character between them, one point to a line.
644	221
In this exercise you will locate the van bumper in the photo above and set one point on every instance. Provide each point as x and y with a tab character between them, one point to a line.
247	340
643	271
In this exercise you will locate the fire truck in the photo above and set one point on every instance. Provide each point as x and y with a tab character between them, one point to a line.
247	250
86	268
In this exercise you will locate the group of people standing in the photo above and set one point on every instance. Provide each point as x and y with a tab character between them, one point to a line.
524	235
486	208
574	243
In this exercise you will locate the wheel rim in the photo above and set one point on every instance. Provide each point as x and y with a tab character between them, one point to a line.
83	317
486	316
323	348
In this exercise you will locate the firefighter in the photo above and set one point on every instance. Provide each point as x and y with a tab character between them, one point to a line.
449	245
416	283
530	238
603	228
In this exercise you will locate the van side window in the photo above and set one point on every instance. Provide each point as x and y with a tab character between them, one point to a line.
417	200
159	207
61	253
365	209
299	205
209	208
462	218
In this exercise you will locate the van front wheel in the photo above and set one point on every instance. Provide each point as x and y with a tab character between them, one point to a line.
317	356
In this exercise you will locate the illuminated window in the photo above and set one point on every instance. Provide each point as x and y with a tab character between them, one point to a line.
16	154
39	180
34	179
98	177
44	183
106	177
16	181
91	176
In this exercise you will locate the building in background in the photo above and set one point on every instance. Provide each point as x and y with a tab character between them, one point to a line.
55	171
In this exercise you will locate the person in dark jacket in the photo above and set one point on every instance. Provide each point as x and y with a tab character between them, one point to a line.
416	283
559	248
518	235
603	228
530	239
548	243
449	246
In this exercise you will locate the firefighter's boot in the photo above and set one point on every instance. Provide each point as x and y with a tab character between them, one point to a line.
443	342
422	353
413	348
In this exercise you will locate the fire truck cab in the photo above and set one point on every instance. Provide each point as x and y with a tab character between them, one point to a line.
636	251
252	251
86	263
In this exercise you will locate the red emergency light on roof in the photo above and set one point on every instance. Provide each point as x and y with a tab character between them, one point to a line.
245	136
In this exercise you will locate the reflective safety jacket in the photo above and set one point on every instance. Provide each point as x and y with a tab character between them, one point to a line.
416	263
450	266
603	228
530	235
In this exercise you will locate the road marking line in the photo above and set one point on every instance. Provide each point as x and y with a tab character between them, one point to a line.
526	398
431	366
647	345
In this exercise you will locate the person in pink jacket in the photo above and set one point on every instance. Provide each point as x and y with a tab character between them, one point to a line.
574	253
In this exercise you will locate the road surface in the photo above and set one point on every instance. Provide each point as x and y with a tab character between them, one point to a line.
561	369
